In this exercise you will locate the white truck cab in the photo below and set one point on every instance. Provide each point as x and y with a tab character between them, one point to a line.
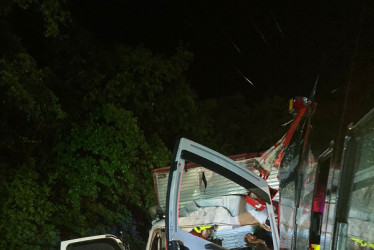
98	242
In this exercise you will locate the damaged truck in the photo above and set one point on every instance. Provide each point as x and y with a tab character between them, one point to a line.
283	198
302	201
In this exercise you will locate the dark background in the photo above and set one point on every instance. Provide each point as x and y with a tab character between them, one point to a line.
281	47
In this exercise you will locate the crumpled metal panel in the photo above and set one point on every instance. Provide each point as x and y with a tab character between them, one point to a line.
304	212
193	186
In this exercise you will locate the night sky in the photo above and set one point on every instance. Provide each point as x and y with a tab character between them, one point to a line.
256	48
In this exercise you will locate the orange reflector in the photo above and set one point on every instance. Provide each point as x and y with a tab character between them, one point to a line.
290	105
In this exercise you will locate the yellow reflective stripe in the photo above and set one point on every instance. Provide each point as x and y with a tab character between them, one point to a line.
363	243
199	229
356	240
315	246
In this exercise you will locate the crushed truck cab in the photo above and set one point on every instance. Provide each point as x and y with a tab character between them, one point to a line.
217	196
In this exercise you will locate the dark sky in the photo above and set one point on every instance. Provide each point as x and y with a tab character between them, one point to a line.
254	47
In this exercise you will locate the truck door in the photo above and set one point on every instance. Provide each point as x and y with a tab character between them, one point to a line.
208	209
354	222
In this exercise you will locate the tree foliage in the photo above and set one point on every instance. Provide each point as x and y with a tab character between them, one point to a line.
104	170
81	134
27	216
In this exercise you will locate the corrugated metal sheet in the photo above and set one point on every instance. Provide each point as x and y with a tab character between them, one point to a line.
193	186
234	238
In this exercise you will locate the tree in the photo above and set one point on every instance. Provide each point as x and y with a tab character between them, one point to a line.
30	113
103	173
27	214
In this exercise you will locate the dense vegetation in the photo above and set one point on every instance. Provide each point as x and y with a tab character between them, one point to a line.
84	122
